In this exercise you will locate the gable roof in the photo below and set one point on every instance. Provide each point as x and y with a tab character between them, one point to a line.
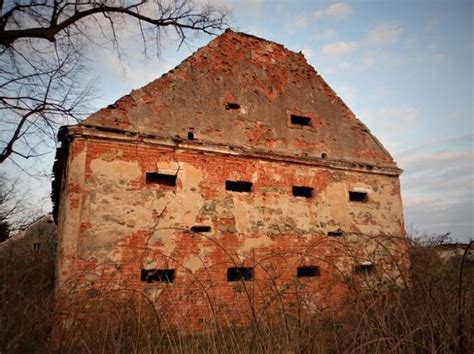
268	82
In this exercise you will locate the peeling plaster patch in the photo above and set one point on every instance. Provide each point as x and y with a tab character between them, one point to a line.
251	243
77	174
193	263
171	167
115	171
362	188
111	155
242	214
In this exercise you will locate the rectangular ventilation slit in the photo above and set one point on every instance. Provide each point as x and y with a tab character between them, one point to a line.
200	228
232	105
157	275
301	191
308	271
358	196
160	178
336	233
364	268
300	120
238	186
239	274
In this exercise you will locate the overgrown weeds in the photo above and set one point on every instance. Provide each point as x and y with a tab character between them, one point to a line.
431	311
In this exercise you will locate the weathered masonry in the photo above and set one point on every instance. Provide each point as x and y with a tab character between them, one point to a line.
236	185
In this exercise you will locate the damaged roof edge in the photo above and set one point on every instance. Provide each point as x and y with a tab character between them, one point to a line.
58	169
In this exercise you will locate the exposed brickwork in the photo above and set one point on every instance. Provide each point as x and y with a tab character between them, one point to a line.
112	224
268	81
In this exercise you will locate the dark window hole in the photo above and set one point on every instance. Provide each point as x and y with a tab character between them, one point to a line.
200	228
308	271
232	105
324	155
157	275
239	274
336	233
190	136
358	196
36	246
301	191
238	186
300	120
365	268
160	178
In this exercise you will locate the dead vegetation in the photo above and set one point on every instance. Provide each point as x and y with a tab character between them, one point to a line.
431	311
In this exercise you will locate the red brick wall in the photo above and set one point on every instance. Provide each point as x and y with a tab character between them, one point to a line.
123	225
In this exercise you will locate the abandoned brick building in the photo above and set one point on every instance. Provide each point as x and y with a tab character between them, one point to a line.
235	185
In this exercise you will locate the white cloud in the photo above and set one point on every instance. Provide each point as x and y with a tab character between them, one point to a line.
392	119
384	33
438	185
434	158
438	57
421	201
338	49
300	20
456	115
247	8
253	4
295	23
327	34
365	59
399	114
389	124
337	10
432	23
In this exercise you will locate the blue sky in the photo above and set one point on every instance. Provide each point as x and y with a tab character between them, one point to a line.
404	67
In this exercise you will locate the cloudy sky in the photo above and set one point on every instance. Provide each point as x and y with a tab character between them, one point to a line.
404	67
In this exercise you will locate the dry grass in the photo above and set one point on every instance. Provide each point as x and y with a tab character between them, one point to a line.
434	313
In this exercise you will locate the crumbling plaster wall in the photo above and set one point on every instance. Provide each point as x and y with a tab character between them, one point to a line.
113	224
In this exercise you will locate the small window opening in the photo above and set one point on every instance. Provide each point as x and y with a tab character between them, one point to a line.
157	275
200	228
336	233
36	246
300	120
160	178
232	105
239	274
364	268
238	186
308	271
358	196
301	191
190	136
324	155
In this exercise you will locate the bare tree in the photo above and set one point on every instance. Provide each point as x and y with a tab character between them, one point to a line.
11	206
42	65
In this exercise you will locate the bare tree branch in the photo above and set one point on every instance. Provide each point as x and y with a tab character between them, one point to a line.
42	65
